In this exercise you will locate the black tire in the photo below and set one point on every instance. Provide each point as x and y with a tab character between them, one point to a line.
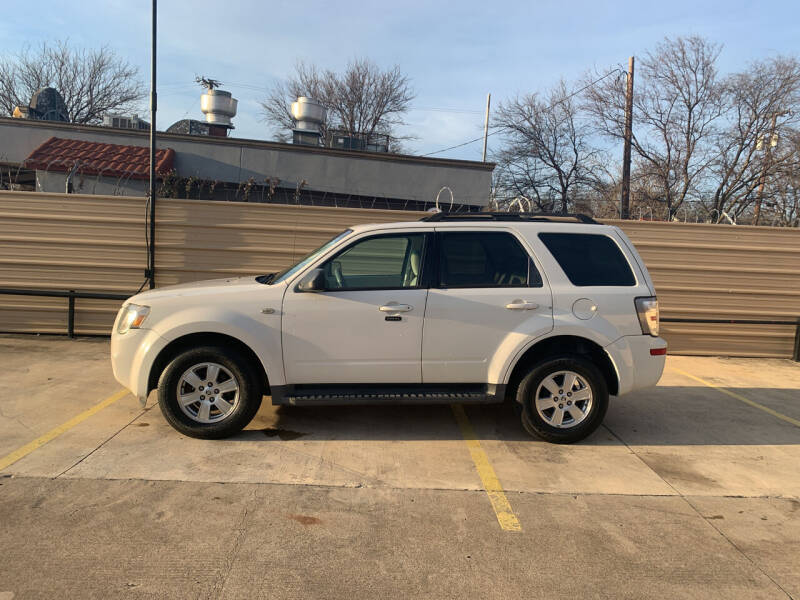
250	392
532	420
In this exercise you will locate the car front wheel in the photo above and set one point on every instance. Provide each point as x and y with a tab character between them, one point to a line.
563	399
209	392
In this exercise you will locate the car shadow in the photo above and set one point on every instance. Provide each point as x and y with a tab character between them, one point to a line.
660	416
375	423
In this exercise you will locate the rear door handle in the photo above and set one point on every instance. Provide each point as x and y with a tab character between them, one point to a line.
521	305
395	307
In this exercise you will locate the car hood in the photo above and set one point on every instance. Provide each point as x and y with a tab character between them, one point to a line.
197	288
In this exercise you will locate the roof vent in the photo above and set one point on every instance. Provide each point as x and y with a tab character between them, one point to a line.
309	116
218	106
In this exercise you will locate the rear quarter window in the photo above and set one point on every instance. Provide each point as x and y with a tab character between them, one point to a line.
589	259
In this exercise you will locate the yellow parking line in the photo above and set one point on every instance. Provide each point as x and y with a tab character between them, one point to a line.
752	403
505	516
22	452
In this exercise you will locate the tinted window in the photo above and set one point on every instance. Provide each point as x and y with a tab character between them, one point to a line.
391	261
589	259
490	259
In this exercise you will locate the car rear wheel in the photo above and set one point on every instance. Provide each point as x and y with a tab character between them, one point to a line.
209	392
563	399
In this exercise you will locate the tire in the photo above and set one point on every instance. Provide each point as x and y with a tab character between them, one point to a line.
221	410
562	416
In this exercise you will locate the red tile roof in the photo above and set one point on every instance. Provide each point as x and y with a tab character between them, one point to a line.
110	160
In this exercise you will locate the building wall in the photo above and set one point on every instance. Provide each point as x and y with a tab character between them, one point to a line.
237	160
96	243
56	182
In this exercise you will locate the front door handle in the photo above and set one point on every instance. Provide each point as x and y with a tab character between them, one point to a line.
521	305
395	307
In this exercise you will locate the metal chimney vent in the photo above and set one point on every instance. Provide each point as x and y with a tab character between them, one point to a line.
219	107
308	115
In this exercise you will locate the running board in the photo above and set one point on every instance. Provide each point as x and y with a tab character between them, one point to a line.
342	395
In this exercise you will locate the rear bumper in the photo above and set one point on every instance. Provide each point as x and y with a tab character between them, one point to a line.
636	367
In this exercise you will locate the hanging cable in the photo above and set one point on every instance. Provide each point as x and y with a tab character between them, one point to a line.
146	238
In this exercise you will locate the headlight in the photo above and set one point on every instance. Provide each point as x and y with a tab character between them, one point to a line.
132	317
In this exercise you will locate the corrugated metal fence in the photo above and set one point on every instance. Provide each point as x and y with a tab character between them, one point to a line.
96	243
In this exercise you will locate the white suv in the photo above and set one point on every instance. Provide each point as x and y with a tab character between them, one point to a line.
553	313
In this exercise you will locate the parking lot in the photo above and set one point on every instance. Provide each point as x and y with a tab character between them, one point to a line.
690	490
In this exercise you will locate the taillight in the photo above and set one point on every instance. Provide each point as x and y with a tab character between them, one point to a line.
647	310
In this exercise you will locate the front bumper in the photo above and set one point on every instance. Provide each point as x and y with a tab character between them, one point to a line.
132	356
636	367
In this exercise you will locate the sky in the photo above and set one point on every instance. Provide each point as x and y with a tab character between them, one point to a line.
453	52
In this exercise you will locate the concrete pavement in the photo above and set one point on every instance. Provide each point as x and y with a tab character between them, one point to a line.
106	539
687	492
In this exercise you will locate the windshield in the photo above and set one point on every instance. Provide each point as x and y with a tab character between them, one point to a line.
285	274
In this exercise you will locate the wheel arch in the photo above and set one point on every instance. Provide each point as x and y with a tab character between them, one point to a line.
565	344
192	340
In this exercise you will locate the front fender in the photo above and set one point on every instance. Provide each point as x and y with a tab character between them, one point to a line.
262	336
132	358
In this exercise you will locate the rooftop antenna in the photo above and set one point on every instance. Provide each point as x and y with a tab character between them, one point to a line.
436	208
207	82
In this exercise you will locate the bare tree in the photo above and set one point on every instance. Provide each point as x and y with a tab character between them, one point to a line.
762	105
362	100
676	106
546	155
782	207
92	82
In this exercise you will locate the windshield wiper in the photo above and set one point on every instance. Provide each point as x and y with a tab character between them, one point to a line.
266	279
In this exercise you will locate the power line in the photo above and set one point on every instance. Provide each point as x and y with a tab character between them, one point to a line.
447	110
559	101
463	144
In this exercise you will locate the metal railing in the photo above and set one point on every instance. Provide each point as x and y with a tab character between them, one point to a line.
71	295
795	323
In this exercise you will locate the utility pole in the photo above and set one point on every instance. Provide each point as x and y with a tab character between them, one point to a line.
486	125
625	203
767	160
151	254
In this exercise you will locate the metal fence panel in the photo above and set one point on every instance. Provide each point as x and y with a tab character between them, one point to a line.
96	243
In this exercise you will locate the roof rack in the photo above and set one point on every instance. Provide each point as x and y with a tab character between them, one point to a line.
504	216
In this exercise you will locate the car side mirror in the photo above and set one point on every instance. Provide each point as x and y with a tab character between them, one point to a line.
313	282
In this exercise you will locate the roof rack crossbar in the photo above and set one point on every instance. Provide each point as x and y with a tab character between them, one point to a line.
504	216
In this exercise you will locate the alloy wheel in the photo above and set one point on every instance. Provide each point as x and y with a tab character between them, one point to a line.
207	392
563	399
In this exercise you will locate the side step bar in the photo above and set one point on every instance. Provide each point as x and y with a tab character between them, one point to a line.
385	395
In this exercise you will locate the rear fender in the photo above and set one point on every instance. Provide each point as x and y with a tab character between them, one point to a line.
506	366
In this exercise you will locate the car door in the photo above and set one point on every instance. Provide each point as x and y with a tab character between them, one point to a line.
488	297
366	327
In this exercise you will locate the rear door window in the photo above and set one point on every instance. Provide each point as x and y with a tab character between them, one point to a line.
589	259
484	259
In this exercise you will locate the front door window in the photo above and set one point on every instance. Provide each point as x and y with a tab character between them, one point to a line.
383	262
